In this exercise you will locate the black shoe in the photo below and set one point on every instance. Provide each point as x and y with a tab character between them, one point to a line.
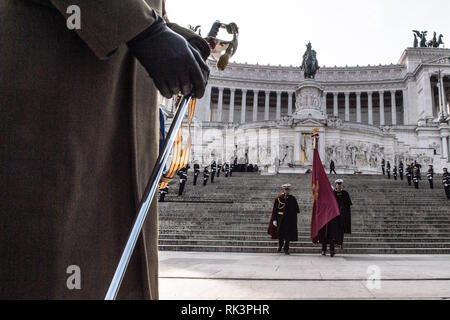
279	249
324	253
332	254
287	253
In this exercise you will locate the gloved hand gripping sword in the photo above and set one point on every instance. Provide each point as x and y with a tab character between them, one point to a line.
221	51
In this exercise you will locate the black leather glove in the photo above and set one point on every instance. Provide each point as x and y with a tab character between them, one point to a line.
173	64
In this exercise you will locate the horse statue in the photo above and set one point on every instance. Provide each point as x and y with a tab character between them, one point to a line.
435	43
440	41
310	64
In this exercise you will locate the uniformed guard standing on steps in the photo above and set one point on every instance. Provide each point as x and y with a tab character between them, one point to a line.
283	221
213	170
226	167
219	168
430	175
416	177
383	163
344	202
388	169
183	178
162	193
395	173
409	173
400	170
419	167
196	173
446	182
205	176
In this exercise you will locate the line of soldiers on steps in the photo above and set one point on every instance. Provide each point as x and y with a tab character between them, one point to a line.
226	168
413	174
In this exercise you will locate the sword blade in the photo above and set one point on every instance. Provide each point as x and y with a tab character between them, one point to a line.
147	199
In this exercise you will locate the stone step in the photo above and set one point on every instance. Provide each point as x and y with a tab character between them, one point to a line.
231	215
303	238
302	244
315	250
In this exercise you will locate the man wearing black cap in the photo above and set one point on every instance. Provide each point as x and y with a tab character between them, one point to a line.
430	176
446	182
333	232
283	222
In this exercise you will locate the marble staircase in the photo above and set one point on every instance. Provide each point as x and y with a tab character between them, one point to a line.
232	215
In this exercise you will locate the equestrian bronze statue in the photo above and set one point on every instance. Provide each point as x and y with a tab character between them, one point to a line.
310	65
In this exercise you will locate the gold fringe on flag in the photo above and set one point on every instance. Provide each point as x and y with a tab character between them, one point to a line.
180	155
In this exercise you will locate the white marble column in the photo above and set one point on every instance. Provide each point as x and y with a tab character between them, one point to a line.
220	105
231	116
347	106
290	102
335	105
203	109
255	105
244	105
324	102
267	111
278	105
297	151
427	98
445	147
382	120
443	94
393	108
358	107
405	107
370	107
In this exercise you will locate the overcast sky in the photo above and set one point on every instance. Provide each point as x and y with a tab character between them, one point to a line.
343	32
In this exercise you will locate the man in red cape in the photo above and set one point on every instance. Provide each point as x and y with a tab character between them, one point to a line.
325	220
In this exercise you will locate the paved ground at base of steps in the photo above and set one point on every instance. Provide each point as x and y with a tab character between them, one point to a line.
245	276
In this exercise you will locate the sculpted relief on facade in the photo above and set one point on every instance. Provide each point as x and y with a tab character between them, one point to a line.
359	156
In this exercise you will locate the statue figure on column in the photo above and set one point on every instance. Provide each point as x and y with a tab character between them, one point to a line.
310	65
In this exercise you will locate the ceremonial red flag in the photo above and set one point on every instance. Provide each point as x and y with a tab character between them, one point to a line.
325	207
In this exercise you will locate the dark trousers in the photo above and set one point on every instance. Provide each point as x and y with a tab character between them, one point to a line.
395	177
382	168
218	173
212	177
205	181
401	176
416	185
389	174
409	180
431	184
181	189
447	192
324	247
281	242
231	173
161	197
332	170
195	179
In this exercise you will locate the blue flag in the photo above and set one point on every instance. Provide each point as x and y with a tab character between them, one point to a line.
162	133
